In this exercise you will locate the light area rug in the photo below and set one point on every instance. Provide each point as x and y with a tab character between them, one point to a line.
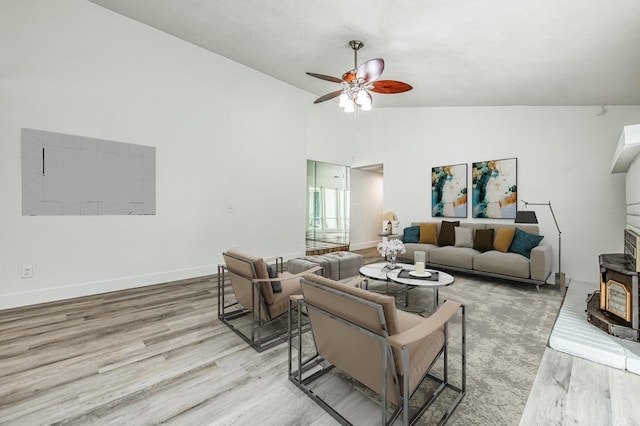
507	329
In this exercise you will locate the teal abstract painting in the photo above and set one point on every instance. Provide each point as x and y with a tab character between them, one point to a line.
495	189
449	191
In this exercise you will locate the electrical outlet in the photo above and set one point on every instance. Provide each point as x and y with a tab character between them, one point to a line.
27	271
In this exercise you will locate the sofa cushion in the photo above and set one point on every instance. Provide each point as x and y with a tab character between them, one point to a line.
532	229
411	248
464	237
411	234
523	242
447	235
502	263
503	239
428	233
483	240
461	257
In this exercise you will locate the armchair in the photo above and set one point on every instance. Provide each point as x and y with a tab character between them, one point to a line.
254	311
389	351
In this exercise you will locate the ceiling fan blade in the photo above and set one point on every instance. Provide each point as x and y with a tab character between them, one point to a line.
325	77
328	96
349	76
390	86
370	70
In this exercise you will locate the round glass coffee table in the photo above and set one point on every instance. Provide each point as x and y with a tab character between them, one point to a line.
403	276
379	272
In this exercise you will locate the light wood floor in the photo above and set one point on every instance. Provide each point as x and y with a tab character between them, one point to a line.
142	356
159	354
573	391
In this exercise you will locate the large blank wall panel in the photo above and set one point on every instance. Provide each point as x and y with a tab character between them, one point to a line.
73	175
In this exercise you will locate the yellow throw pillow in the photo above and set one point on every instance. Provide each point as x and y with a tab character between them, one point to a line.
503	240
428	233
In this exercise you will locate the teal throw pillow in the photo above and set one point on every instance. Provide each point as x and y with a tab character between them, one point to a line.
411	235
523	242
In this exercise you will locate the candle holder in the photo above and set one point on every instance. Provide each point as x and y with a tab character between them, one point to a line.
419	260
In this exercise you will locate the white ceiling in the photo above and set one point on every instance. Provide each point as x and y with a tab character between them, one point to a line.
453	52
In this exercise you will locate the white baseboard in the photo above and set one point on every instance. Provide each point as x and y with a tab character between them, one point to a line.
33	297
362	246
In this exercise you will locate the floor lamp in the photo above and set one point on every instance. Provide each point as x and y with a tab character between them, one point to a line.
523	216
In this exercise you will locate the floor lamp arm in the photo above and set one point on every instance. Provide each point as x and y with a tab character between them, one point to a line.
557	227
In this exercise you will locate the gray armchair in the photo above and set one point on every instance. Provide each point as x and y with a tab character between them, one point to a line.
361	333
254	311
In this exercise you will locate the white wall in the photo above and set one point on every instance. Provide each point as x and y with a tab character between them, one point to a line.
564	156
366	208
227	137
73	67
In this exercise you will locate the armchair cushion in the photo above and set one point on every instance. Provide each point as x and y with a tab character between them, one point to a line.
290	287
423	350
260	267
387	302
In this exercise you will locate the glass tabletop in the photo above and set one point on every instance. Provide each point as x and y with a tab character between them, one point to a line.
379	271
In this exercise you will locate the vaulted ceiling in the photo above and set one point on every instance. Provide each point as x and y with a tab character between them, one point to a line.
453	52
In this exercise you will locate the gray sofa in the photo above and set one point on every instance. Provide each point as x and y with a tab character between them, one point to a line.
494	263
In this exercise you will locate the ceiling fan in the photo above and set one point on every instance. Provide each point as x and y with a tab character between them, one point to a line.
359	81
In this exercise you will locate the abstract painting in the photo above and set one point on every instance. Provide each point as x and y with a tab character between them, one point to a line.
449	191
495	189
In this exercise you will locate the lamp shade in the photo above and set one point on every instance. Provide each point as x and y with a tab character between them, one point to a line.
526	216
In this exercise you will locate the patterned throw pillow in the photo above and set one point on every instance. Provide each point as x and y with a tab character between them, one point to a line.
523	242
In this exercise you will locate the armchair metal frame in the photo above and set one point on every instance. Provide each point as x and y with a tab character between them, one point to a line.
313	366
258	314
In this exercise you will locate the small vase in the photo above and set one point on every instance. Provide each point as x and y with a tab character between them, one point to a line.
391	261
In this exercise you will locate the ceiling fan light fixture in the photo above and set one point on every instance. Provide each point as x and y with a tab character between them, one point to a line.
349	107
362	97
344	98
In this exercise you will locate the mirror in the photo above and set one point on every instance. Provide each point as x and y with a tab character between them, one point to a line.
327	206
